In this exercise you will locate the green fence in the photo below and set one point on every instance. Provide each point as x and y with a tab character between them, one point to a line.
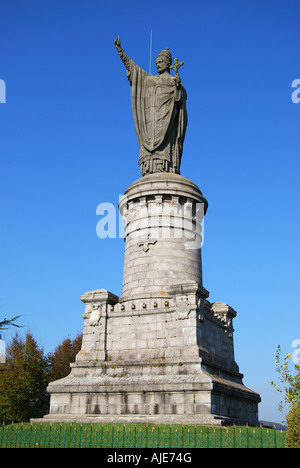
47	435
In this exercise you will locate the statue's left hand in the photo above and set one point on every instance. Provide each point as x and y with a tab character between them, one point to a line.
177	79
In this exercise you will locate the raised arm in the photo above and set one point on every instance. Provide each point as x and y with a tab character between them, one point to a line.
124	57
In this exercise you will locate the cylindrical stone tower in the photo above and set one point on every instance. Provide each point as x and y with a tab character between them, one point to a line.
163	215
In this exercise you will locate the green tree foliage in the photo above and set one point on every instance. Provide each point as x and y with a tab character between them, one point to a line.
293	427
64	354
5	323
290	379
22	383
26	374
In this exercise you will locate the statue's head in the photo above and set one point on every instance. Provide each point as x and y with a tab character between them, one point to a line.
163	61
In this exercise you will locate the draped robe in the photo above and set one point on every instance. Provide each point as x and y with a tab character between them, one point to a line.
160	118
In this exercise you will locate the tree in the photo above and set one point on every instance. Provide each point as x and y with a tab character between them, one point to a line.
64	354
8	322
23	383
26	374
289	379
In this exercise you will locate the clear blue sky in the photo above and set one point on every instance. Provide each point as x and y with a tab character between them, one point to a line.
68	143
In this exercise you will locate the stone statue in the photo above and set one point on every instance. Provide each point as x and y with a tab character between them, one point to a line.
159	111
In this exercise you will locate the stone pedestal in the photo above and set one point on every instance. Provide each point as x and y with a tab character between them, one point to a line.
163	225
162	352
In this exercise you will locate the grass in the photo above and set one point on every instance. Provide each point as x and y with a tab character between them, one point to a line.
69	435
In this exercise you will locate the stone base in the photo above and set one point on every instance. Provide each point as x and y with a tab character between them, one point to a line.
198	420
156	359
162	351
165	396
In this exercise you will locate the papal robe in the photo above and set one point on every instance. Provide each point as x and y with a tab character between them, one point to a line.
160	118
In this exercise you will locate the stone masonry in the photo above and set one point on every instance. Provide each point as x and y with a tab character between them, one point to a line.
161	352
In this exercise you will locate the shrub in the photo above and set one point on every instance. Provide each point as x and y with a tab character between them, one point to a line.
293	427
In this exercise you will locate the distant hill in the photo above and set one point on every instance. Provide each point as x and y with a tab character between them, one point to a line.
278	426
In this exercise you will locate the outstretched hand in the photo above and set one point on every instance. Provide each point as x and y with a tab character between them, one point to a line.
117	42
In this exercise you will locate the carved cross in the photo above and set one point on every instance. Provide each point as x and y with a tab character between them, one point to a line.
145	245
176	65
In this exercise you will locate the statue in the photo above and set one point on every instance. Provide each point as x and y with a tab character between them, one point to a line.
159	111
